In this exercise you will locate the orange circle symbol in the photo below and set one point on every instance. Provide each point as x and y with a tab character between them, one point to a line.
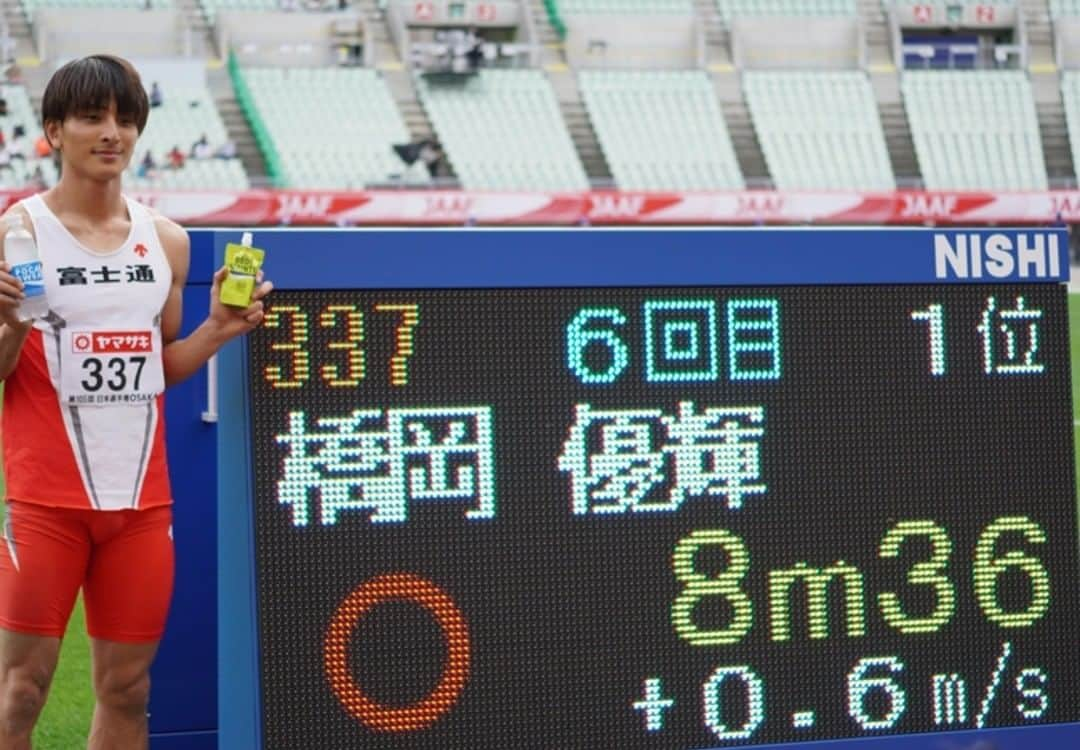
408	587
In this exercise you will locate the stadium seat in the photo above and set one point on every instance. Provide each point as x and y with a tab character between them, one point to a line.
1070	94
636	7
29	6
503	130
1063	8
975	130
730	9
211	7
331	127
819	130
21	112
184	116
661	130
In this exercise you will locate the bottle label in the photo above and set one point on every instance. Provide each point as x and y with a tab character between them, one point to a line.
31	277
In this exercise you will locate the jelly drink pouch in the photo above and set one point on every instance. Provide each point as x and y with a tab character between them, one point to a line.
243	262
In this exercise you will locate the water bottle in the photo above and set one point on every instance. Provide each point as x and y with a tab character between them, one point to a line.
21	254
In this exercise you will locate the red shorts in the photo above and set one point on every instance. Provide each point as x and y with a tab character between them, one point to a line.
122	559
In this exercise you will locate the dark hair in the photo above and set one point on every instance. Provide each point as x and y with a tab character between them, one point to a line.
95	82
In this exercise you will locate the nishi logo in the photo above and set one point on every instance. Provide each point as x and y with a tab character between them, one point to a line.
971	255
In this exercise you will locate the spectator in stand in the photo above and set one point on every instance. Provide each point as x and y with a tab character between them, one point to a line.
200	149
176	158
431	154
226	150
42	147
475	53
156	97
3	107
36	180
18	145
146	167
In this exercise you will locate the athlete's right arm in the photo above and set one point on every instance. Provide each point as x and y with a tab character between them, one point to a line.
12	332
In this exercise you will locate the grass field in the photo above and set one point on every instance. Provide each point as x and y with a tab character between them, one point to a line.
66	718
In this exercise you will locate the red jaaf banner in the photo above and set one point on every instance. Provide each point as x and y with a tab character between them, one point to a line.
448	207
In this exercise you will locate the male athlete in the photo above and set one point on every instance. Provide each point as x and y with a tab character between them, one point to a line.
83	433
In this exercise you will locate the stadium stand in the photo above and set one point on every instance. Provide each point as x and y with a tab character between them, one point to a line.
975	129
212	7
16	171
730	9
1070	92
29	6
587	7
661	130
819	130
1063	8
184	116
713	121
343	134
503	130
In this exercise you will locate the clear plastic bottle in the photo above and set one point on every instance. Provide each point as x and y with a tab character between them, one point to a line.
21	253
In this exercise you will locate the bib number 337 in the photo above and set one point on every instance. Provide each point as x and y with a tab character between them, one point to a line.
111	367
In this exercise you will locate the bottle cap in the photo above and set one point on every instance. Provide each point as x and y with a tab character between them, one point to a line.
246	239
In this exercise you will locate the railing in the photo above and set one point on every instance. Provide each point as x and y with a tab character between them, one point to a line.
258	127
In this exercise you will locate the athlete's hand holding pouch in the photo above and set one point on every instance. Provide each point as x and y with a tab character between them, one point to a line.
236	297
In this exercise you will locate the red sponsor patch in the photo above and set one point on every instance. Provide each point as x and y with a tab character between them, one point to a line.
141	250
111	342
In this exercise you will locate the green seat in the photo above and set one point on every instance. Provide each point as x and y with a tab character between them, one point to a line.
332	127
730	9
1064	8
1070	94
819	130
661	130
635	7
184	116
503	130
975	130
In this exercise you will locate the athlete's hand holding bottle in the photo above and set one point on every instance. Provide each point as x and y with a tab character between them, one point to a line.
22	289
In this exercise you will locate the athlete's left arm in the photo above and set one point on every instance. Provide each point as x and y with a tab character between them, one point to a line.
183	357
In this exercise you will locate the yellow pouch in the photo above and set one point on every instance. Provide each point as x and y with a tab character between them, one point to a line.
243	263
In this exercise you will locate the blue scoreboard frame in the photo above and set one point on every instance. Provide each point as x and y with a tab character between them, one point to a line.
336	261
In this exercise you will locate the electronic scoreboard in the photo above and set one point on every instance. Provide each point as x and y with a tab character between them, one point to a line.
651	489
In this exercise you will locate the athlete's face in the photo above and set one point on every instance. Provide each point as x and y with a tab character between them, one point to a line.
97	143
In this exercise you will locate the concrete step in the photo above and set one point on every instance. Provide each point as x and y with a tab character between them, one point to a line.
874	20
1037	22
905	162
585	140
17	22
744	138
203	34
709	16
1054	133
545	32
416	119
239	130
